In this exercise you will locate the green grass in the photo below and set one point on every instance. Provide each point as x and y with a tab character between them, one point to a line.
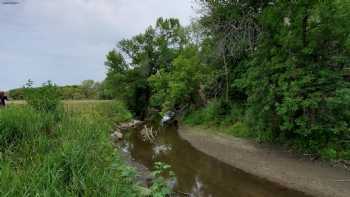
111	110
212	116
73	156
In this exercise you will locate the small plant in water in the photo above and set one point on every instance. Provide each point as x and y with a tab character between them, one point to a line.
160	187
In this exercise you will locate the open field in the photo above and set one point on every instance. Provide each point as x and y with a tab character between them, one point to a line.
17	102
81	106
67	102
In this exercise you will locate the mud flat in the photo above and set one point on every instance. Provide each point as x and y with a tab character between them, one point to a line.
315	178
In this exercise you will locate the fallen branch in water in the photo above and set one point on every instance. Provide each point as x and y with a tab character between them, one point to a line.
183	193
149	134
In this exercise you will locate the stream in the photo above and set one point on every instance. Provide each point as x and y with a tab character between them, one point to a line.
198	174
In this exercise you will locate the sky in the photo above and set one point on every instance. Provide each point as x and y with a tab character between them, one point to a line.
66	41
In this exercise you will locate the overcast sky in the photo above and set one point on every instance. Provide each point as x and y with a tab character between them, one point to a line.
66	40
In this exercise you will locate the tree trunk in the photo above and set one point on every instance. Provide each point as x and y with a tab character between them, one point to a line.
227	80
304	26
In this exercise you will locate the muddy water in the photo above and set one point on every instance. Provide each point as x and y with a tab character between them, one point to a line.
198	174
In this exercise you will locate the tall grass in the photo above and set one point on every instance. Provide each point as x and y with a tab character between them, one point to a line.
18	124
72	156
115	111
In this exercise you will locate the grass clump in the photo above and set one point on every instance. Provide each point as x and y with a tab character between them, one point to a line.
18	124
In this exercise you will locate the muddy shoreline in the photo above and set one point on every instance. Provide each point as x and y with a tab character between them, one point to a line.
197	173
315	178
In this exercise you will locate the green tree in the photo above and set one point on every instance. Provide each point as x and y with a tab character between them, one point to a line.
181	86
89	89
296	73
233	26
147	54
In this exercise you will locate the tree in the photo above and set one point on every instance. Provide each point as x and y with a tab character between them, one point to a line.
180	86
89	89
148	53
233	25
297	71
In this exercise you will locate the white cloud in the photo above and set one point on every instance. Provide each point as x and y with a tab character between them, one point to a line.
66	40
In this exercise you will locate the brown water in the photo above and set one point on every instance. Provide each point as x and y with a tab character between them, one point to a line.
198	174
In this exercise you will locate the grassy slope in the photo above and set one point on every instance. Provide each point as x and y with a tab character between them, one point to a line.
40	156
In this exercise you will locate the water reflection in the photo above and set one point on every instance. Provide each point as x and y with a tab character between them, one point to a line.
198	174
197	189
159	149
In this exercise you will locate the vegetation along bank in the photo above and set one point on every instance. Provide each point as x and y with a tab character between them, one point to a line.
275	71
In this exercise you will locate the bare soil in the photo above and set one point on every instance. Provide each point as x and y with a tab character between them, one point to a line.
273	163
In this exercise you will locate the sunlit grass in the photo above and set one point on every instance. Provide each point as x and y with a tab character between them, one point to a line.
17	102
85	106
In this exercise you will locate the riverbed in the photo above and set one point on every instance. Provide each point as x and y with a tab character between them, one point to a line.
198	174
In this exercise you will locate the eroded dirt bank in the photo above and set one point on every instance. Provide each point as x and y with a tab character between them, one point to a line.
315	178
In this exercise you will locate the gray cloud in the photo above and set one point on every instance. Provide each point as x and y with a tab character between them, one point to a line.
66	40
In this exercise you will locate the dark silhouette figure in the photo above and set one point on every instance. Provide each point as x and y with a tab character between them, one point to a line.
2	99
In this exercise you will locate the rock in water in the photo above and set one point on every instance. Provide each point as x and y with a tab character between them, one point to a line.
168	118
130	125
137	123
117	136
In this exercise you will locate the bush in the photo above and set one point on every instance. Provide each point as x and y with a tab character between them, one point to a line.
329	153
217	112
120	112
239	129
210	114
44	99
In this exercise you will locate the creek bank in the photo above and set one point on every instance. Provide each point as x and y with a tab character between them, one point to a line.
272	163
144	176
197	174
134	124
122	128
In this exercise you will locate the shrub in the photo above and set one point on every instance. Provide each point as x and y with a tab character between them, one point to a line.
207	115
239	129
217	112
120	112
329	153
44	99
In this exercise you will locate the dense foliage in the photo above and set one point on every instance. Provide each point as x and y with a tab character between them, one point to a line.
137	71
276	69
